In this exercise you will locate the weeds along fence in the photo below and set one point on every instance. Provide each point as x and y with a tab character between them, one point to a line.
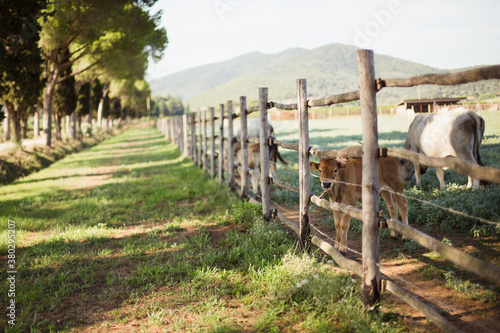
191	134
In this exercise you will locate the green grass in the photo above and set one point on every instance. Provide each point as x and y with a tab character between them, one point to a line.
131	236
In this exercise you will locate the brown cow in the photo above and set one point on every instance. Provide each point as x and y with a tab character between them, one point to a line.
254	160
341	177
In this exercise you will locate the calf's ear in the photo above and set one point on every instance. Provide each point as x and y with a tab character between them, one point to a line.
313	166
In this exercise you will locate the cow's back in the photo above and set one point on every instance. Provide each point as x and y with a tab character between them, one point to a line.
390	177
451	133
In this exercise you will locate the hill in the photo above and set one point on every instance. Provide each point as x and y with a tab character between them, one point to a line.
329	69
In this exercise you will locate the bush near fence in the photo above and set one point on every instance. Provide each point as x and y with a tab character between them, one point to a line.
193	141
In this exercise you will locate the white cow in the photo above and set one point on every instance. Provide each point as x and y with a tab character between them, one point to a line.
455	133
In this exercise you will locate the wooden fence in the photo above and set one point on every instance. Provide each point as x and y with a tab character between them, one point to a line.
193	141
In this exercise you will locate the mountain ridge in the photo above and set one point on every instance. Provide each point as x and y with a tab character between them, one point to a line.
329	69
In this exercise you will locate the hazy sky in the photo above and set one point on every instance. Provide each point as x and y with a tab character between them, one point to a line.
440	33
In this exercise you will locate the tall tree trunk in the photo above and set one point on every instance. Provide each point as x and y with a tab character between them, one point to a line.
36	121
99	112
105	90
73	124
24	118
48	101
6	124
47	112
58	126
16	120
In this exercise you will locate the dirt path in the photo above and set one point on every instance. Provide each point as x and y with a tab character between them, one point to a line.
24	143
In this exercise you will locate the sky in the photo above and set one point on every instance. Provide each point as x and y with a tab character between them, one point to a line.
445	34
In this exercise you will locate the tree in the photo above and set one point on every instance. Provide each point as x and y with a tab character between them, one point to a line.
96	35
20	59
96	96
83	102
64	100
169	106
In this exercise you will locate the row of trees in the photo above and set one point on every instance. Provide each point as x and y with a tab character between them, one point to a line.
76	57
167	106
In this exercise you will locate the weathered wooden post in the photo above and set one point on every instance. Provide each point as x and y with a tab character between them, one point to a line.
167	129
170	130
205	144
221	145
193	136
304	190
185	128
264	155
178	131
212	143
244	148
230	144
370	182
200	137
180	135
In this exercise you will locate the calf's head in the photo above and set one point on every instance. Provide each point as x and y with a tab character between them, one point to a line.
328	170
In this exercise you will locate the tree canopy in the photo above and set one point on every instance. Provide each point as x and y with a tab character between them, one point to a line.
20	59
107	39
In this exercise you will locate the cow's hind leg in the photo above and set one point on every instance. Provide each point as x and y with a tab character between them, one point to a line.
440	175
418	174
473	182
402	204
389	200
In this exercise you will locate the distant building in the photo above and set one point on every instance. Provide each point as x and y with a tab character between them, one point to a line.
426	105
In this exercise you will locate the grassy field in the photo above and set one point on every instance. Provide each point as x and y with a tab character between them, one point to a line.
131	236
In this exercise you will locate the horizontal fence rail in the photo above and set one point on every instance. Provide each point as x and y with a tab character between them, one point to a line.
193	136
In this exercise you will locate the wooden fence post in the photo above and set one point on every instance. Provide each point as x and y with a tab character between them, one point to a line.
185	129
200	137
171	129
303	164
244	147
212	143
167	129
193	136
230	144
264	155
205	144
370	182
178	132
189	137
221	145
180	135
